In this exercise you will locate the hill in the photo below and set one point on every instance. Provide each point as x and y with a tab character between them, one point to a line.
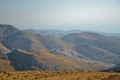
24	50
40	60
96	46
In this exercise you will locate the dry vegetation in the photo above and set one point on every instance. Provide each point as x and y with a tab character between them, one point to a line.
5	65
59	75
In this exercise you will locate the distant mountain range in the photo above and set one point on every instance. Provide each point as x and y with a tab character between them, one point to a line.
60	33
57	50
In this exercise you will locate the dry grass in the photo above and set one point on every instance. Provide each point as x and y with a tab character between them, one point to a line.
5	65
59	75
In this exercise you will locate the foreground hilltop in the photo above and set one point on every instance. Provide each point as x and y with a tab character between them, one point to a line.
23	50
59	75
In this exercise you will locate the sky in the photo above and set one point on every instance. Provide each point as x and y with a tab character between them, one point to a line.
95	15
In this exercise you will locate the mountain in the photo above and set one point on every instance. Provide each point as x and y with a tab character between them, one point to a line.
13	39
110	34
27	50
21	40
61	33
96	46
58	33
33	42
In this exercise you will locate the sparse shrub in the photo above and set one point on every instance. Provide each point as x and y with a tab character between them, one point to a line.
59	75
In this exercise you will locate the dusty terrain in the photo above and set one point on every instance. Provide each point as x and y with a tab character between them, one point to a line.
59	75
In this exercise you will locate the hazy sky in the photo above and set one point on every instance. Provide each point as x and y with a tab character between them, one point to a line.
98	15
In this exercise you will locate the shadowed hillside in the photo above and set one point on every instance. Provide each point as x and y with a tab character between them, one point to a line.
21	61
40	60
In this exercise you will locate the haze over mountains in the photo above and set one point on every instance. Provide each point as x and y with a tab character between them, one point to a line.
61	33
60	50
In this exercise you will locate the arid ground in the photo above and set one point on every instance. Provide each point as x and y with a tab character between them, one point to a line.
59	75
